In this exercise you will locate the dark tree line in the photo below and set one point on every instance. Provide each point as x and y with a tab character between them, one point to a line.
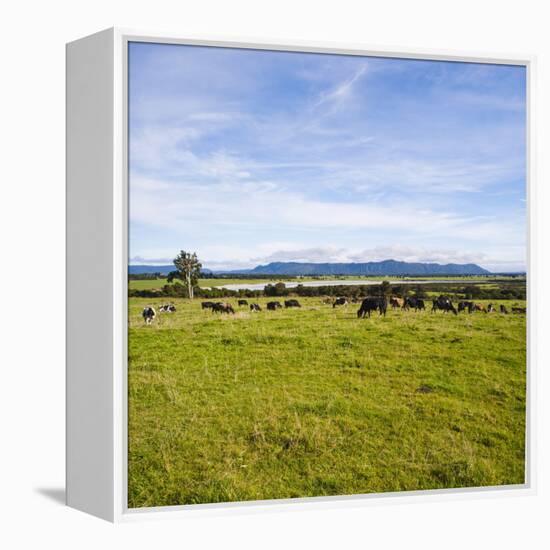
145	276
457	292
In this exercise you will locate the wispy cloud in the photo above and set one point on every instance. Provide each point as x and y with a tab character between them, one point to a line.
245	155
342	91
397	252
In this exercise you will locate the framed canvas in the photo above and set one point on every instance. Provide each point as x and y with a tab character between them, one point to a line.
297	275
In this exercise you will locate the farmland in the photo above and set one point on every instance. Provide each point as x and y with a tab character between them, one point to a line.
152	284
314	402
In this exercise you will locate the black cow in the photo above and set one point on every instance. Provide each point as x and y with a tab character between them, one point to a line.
255	307
490	308
340	302
243	302
503	309
207	305
221	307
148	314
292	303
416	303
273	305
465	305
519	310
444	304
373	303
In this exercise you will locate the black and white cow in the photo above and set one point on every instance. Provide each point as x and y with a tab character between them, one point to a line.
340	302
149	314
255	307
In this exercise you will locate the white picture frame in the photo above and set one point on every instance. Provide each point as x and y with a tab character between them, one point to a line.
97	259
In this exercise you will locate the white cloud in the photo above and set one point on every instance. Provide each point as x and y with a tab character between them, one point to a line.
226	258
258	208
141	260
316	255
221	162
259	203
331	254
342	91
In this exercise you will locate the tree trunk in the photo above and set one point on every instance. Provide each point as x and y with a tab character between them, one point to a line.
189	286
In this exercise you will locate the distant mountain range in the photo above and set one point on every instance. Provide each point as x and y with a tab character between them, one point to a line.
138	269
386	267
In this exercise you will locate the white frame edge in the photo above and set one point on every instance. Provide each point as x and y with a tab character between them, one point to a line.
115	443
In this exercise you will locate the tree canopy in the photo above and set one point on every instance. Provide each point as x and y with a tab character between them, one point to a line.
188	268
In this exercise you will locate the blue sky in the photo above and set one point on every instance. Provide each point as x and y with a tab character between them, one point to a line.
249	156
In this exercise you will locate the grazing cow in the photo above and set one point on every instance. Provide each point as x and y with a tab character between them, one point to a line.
292	303
503	309
372	303
148	314
221	307
480	307
490	308
207	305
340	302
465	305
444	304
416	303
519	310
167	308
255	307
242	302
273	305
396	302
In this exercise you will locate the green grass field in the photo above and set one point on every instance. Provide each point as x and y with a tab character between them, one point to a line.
313	401
150	284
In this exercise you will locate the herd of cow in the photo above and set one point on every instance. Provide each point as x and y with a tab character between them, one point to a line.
441	303
368	305
222	307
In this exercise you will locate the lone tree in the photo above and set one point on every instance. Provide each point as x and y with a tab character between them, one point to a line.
188	270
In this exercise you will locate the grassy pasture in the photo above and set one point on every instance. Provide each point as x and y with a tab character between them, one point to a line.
151	284
314	402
